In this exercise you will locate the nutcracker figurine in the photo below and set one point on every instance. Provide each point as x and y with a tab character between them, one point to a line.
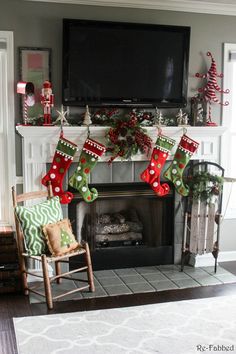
47	100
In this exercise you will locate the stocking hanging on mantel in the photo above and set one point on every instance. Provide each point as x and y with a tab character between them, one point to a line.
63	157
209	90
183	154
152	173
91	152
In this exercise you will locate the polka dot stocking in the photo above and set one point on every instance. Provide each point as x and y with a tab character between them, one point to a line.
62	160
153	172
174	173
90	154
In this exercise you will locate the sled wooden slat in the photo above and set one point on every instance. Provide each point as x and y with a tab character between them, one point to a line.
202	227
194	226
210	228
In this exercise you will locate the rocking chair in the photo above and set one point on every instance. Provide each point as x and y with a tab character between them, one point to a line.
47	259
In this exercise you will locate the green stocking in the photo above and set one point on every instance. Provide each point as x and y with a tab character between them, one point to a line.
90	154
174	173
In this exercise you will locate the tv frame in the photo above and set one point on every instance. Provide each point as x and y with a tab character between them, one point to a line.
127	102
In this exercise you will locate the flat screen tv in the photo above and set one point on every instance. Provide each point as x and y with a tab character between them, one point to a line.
124	64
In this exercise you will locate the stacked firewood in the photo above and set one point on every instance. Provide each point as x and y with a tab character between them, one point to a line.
124	227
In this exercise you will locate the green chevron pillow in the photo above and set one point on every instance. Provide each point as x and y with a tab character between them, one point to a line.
33	218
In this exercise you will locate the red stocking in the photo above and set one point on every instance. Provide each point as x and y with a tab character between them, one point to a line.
62	160
152	173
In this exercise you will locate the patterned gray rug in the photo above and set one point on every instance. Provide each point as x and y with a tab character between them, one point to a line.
183	327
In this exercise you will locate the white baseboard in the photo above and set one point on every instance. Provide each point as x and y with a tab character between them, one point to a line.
207	260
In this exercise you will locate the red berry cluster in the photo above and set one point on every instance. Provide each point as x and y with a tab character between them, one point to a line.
143	141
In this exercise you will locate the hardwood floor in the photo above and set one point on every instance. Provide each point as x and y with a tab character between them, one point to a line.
17	305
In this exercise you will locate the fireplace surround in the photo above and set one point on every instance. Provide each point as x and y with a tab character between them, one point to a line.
38	146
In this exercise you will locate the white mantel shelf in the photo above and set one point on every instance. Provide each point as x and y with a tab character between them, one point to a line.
39	145
78	131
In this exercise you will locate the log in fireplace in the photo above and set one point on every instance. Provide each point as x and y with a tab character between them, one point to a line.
127	226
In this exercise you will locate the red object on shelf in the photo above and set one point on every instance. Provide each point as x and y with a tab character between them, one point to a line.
27	90
47	100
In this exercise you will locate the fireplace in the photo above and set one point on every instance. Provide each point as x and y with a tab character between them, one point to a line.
127	226
38	147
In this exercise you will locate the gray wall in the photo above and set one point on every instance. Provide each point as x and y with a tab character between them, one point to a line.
40	25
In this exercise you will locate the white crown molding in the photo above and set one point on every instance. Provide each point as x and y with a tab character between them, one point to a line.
216	7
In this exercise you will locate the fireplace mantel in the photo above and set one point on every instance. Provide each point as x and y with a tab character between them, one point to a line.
39	145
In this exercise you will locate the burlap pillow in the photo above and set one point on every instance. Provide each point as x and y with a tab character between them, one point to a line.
60	238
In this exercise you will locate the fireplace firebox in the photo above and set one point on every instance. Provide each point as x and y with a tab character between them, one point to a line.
127	226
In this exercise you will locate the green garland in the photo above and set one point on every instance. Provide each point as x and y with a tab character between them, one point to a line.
205	186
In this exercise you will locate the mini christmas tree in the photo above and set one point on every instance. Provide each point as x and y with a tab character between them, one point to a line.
66	239
209	90
159	119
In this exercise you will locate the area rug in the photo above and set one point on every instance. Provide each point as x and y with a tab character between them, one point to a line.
183	327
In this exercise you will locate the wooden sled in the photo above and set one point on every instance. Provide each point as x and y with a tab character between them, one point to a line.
202	217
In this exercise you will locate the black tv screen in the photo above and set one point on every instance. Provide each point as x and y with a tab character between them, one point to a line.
124	64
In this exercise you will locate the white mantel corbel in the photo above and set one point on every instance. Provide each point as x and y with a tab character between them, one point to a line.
39	146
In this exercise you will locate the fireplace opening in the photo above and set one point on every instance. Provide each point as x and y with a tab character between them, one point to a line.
127	226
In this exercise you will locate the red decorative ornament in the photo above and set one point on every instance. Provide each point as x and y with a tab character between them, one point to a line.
209	90
47	100
26	89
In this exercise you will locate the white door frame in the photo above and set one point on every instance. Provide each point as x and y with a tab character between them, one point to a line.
7	123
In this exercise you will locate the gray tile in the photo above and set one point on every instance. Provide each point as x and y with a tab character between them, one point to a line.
80	275
226	278
102	173
179	229
186	283
122	172
139	167
177	253
155	277
58	289
126	271
103	273
195	272
75	296
163	285
36	299
65	284
141	288
117	290
84	277
147	270
165	267
81	284
110	281
199	274
211	270
209	280
176	274
132	279
99	292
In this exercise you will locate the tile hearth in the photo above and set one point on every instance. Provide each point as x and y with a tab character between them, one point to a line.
143	279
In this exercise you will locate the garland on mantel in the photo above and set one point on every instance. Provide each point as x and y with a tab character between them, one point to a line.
205	186
126	137
107	117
